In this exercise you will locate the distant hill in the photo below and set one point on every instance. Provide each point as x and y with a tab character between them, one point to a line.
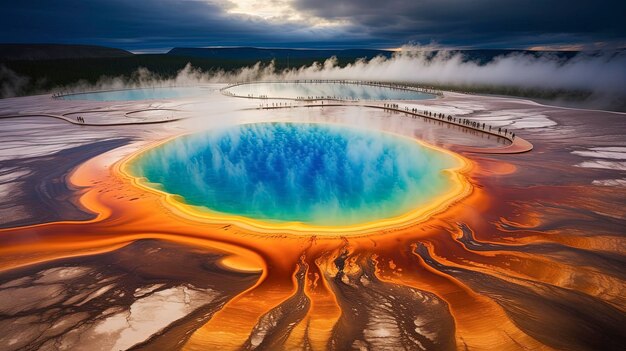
36	52
251	53
346	55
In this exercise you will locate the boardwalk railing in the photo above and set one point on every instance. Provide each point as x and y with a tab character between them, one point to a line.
449	119
463	122
442	117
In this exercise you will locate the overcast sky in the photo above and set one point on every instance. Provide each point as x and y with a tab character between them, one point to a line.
158	25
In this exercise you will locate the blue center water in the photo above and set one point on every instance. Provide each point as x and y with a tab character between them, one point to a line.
293	90
140	94
317	174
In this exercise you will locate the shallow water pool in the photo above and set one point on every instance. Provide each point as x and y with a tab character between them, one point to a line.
163	93
344	91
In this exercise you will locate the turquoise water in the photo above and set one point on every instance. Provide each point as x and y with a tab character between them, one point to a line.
140	94
295	90
317	174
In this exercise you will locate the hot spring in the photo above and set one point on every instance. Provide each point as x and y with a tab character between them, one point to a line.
158	93
294	90
315	174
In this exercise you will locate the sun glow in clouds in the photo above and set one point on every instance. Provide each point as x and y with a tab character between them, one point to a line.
276	11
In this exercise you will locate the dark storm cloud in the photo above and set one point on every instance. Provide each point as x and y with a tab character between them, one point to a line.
472	23
144	24
167	23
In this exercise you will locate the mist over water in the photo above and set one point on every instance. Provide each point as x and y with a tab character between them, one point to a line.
599	78
313	173
598	72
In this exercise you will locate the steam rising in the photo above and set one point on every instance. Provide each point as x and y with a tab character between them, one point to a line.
11	84
600	72
601	76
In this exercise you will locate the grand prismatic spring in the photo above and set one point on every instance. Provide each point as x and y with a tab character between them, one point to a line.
318	175
309	216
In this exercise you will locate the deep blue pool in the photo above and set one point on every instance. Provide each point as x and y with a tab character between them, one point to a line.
317	174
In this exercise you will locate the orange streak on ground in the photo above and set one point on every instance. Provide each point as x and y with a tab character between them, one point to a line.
505	263
230	327
71	246
318	324
481	323
325	310
240	263
316	327
523	266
